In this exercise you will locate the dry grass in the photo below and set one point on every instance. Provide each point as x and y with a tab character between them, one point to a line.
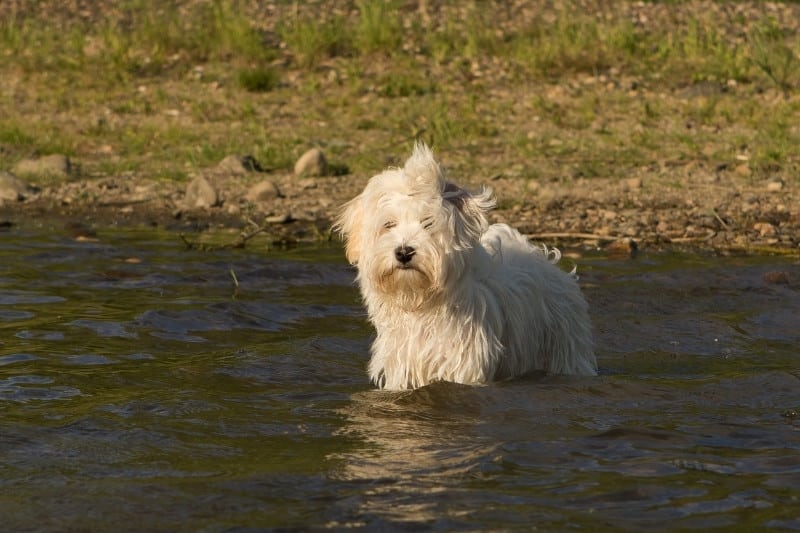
565	89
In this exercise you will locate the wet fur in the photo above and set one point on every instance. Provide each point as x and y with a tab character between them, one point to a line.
475	303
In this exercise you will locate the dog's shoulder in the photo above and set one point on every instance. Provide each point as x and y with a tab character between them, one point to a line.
507	245
501	239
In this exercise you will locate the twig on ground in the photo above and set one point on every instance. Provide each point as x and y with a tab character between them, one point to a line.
239	242
574	236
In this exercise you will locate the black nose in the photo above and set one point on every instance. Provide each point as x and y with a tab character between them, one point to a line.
404	253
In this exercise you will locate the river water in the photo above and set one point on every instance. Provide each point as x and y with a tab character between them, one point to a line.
147	387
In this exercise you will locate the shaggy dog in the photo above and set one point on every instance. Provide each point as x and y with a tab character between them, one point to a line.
451	297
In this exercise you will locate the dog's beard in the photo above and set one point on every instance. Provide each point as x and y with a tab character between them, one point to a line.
408	286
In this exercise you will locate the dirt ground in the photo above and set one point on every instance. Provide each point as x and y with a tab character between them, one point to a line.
558	153
720	212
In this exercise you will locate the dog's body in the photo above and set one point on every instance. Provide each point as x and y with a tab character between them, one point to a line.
451	297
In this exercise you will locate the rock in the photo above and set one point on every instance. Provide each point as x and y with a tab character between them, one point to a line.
80	231
622	248
263	191
238	165
630	231
279	219
200	193
765	229
311	163
307	184
633	184
607	214
775	186
53	165
12	188
744	170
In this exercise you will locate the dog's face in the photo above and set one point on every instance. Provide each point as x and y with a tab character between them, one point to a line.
409	231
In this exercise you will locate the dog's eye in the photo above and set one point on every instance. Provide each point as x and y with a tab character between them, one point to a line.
427	223
389	224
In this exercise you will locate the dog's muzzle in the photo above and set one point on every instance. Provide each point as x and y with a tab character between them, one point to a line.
404	254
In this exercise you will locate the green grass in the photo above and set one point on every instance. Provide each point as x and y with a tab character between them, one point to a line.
778	60
149	38
173	86
311	40
258	79
378	28
145	38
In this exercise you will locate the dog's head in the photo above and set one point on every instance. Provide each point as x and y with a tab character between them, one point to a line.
410	230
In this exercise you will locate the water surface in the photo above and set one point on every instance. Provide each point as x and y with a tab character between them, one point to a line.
141	389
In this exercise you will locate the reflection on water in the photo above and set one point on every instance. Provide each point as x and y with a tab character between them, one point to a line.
139	390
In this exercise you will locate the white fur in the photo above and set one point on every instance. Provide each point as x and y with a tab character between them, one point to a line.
475	303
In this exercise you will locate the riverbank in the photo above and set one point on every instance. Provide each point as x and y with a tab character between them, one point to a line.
595	127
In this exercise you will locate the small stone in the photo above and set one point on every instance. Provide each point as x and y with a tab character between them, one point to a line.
80	231
238	165
12	188
765	229
743	170
311	163
200	193
633	184
263	191
53	165
622	248
279	219
775	186
630	231
608	214
307	183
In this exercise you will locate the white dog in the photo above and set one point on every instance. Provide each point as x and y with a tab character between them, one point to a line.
451	297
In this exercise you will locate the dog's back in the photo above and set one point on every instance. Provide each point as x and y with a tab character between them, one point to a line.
547	319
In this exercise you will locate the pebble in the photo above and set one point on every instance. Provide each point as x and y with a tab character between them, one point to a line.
633	184
239	165
622	248
307	184
743	170
765	229
311	163
279	219
263	191
774	186
200	193
608	215
53	165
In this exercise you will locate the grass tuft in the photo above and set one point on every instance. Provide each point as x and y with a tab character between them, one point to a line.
312	40
258	80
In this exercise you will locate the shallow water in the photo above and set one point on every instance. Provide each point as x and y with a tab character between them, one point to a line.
141	390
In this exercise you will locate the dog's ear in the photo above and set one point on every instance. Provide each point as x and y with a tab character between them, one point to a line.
348	225
423	169
467	203
471	210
